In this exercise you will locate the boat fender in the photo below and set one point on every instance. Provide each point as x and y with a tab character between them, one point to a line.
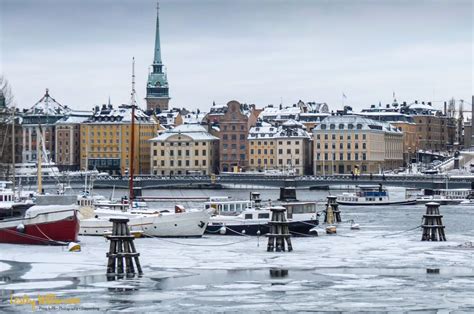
243	231
222	230
313	231
74	247
20	228
258	232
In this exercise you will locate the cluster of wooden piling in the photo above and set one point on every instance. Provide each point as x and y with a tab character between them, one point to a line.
433	228
279	235
122	249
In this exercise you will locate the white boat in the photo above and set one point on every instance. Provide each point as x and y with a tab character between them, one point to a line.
30	169
444	196
255	222
370	195
181	223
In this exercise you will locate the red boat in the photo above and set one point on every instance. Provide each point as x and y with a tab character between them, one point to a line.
47	225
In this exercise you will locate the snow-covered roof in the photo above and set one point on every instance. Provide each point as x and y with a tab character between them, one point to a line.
123	114
354	122
289	129
47	106
192	118
194	131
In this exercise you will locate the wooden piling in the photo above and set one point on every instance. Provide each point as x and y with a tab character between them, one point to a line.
279	236
122	250
433	228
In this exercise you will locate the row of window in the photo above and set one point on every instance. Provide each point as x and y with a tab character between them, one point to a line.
233	157
234	127
341	156
259	143
341	145
289	151
233	137
180	143
179	153
270	161
341	126
233	146
338	168
179	163
341	136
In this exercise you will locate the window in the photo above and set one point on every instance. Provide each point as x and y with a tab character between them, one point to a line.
204	152
348	145
187	162
196	152
348	156
318	156
325	156
234	137
341	145
363	136
318	146
364	156
332	126
187	152
179	163
364	146
323	126
179	153
341	126
325	136
224	137
196	162
264	216
297	151
248	216
318	136
172	163
204	162
356	145
280	161
280	151
162	163
251	151
171	152
333	136
288	151
325	145
359	126
341	156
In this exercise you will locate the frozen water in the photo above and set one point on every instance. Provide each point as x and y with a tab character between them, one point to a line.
381	267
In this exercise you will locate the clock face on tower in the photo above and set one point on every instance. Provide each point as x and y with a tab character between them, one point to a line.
158	84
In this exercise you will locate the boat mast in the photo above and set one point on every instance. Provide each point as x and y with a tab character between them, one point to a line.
13	150
39	158
132	142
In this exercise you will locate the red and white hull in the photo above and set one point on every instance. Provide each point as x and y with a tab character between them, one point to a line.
42	225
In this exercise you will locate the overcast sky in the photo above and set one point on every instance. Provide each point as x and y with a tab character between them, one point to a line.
253	51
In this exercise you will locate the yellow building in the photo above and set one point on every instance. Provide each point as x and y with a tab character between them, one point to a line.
185	149
106	140
262	147
345	144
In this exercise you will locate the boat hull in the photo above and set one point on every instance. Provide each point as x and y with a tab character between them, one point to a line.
188	224
406	202
296	228
54	228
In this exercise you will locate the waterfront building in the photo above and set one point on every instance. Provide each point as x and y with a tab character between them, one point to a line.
170	118
185	149
351	143
436	130
233	128
106	140
286	148
68	140
41	119
403	122
157	89
293	148
262	147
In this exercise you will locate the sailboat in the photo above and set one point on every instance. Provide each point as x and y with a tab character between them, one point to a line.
143	220
39	224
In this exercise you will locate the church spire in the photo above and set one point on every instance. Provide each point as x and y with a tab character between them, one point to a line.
157	89
157	58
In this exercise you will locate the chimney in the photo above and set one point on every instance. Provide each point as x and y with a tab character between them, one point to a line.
445	107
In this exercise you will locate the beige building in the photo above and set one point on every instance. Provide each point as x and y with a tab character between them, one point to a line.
106	140
343	144
186	149
286	148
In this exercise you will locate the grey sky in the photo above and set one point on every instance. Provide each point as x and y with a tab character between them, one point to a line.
253	51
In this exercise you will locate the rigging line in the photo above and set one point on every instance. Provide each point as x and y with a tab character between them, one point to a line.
390	234
55	241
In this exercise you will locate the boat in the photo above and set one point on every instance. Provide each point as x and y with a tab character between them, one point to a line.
41	220
444	196
149	223
251	217
468	202
370	195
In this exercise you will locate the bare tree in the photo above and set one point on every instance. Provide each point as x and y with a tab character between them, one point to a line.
6	91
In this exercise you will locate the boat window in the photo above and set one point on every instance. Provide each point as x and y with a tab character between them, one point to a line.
264	216
248	216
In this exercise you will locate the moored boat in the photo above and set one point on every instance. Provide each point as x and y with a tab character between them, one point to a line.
444	196
370	195
52	224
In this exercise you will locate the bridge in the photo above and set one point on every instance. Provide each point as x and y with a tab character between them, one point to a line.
262	181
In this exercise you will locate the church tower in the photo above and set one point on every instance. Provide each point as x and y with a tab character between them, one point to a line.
157	90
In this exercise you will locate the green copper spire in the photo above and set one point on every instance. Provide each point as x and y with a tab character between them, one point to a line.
157	90
157	59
